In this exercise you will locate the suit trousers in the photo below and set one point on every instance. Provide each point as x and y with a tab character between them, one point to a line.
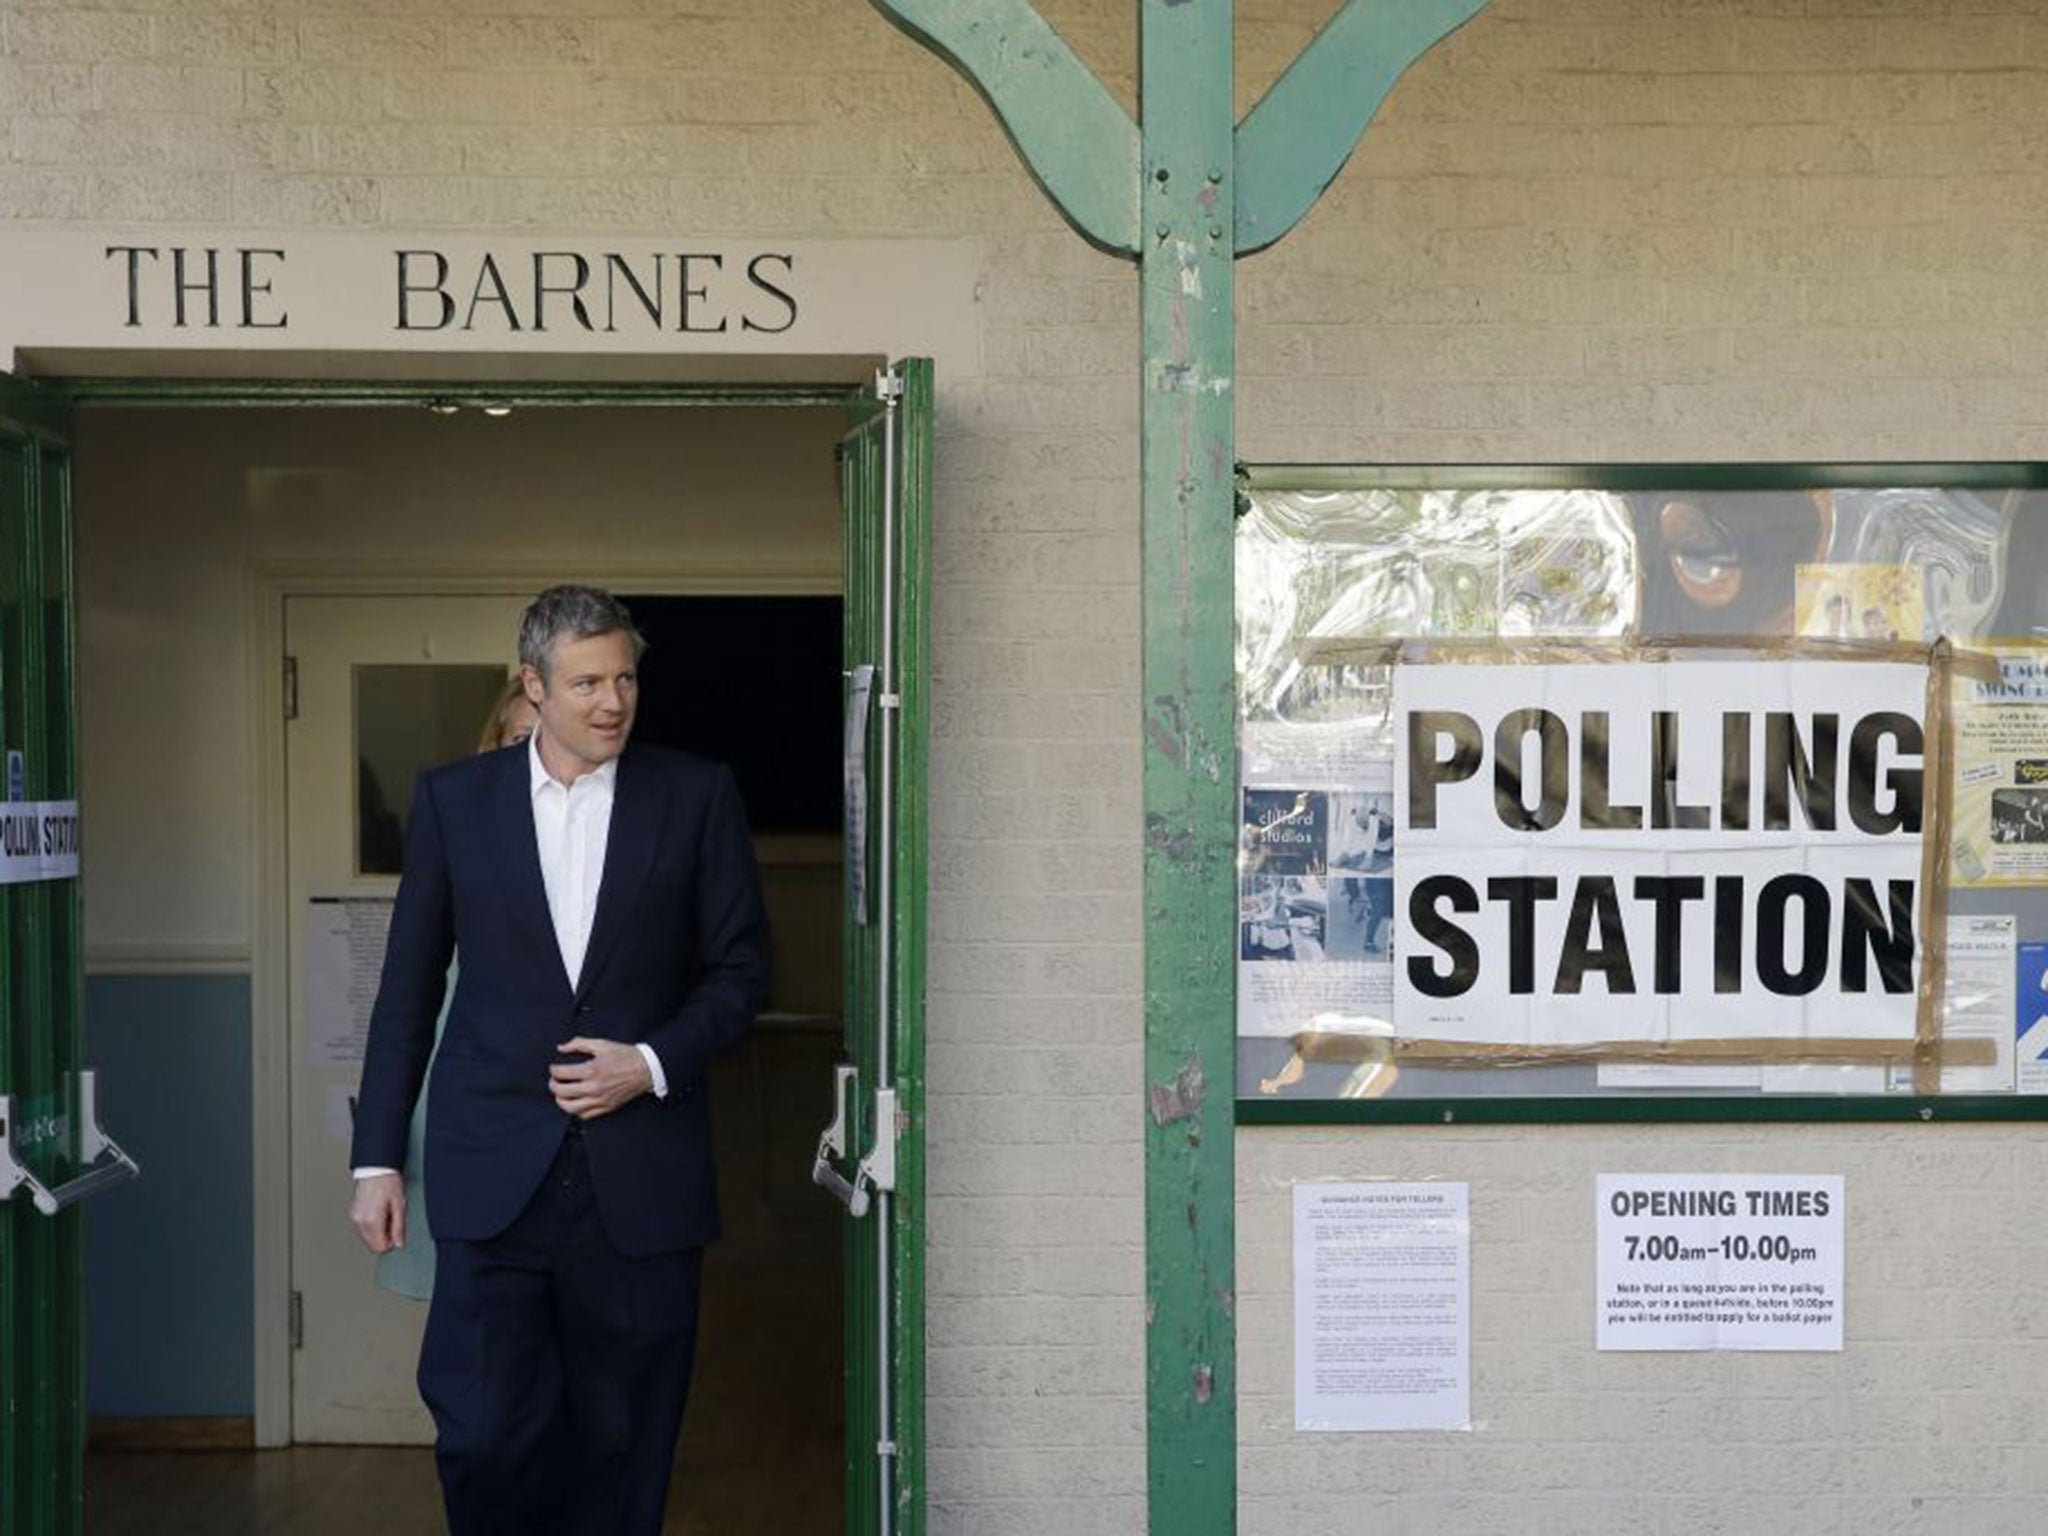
556	1369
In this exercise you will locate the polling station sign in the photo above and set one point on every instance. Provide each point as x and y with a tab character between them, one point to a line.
38	841
1659	851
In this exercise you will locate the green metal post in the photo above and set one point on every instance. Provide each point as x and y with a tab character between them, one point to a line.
1187	247
1188	159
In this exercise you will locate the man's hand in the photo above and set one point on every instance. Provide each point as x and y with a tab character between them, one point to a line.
615	1074
378	1211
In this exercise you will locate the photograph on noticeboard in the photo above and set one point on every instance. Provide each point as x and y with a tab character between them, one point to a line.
1881	603
1315	909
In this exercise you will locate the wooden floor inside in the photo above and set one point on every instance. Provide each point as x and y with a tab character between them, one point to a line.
760	1454
762	1448
317	1490
333	1490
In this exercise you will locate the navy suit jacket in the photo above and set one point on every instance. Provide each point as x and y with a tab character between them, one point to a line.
678	958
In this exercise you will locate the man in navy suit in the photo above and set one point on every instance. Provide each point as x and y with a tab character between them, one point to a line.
606	911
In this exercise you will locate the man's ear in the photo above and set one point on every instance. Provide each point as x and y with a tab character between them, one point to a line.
529	679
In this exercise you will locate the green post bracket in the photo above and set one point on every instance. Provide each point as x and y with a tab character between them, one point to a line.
1291	146
1186	194
1073	137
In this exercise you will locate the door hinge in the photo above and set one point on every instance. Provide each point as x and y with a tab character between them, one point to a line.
888	385
298	1319
291	687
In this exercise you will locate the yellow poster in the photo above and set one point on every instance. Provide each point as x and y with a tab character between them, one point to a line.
1999	830
1860	602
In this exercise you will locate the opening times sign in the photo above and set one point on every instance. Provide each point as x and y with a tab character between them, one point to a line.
1659	851
1719	1261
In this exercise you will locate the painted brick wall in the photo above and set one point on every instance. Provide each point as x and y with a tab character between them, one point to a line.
1929	1421
799	118
1585	229
1596	229
1694	229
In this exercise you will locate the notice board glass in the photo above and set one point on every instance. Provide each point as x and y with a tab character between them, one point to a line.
1594	789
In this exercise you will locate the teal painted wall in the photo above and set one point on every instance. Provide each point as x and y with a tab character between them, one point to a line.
170	1288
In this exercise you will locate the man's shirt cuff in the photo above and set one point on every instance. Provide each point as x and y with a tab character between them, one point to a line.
371	1173
654	1067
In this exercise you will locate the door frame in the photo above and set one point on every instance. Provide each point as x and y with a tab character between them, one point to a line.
270	584
42	1263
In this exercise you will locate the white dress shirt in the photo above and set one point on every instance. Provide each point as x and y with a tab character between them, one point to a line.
572	825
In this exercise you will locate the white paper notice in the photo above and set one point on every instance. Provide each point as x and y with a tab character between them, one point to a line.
1658	1075
854	776
1719	1261
344	957
1382	1306
1835	1077
1981	954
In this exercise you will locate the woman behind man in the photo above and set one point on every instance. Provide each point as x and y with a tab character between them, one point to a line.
409	1270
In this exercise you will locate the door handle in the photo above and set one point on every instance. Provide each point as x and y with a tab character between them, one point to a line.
877	1171
832	1144
93	1142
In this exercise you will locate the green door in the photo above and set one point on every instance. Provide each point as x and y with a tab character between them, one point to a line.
42	1415
873	1158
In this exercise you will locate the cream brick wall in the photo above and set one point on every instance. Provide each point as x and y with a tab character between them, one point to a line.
1929	1421
800	118
1697	229
1585	229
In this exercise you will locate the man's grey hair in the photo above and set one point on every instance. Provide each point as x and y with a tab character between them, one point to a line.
574	613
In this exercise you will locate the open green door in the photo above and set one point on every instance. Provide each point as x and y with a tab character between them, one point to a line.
872	1156
42	1414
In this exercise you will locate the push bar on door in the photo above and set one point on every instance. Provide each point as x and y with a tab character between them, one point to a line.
93	1144
878	1169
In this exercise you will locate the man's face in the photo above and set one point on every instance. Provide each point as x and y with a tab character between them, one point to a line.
587	700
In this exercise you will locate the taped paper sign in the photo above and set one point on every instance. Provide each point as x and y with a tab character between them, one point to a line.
1662	851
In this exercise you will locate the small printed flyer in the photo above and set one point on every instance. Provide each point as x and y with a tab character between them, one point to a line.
2000	819
1316	908
1978	991
1709	1261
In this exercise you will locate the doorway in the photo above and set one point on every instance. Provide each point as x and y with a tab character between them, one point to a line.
386	687
339	507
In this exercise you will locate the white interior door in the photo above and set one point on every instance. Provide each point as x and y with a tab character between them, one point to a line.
386	687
